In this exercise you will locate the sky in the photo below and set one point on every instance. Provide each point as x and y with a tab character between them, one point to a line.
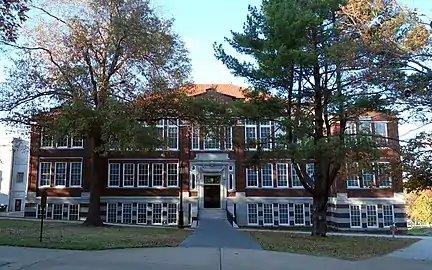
202	22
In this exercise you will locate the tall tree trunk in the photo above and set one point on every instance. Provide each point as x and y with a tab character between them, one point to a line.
93	215
319	215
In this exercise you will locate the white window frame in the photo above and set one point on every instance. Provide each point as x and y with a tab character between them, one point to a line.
287	214
272	214
192	180
172	124
385	135
65	138
255	127
368	215
304	214
271	175
195	138
153	175
140	213
70	174
249	213
145	177
160	125
228	138
108	212
293	174
286	176
80	146
168	174
266	125
153	213
392	214
50	174
218	140
123	212
61	211
109	174
124	175
69	212
231	182
367	172
247	177
42	141
378	164
351	216
65	174
175	212
353	178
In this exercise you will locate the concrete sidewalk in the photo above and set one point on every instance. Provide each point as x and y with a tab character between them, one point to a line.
14	258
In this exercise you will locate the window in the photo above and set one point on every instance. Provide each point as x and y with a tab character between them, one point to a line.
75	176
172	134
114	175
211	140
39	211
365	127
228	138
111	213
19	177
192	181
73	212
231	184
57	211
251	177
355	216
157	213
310	170
268	214
352	176
265	135
63	142
279	134
77	142
60	174
128	174
282	175
388	215
195	138
299	214
45	169
372	216
127	213
252	214
294	178
368	178
383	176
380	131
160	131
284	214
142	213
267	175
143	175
157	174
172	213
47	140
250	134
172	175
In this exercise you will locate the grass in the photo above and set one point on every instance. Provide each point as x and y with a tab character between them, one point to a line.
420	231
74	236
342	247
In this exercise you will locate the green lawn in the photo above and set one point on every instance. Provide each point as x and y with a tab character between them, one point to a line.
78	237
343	247
425	231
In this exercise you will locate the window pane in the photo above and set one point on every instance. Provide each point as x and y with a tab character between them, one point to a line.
267	175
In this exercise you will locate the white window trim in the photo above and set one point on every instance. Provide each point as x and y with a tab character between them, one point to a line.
376	216
287	177
55	174
218	148
52	210
191	175
122	208
230	139
153	175
76	147
194	131
139	165
158	126
357	178
107	212
177	175
288	222
145	214
247	179
169	125
350	216
393	212
373	178
70	174
304	215
46	147
245	136
247	214
233	183
63	147
69	206
109	175
133	175
390	177
272	177
40	174
153	214
270	135
272	213
292	172
176	212
385	128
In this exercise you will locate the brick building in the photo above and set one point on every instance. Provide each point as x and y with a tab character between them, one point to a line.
144	187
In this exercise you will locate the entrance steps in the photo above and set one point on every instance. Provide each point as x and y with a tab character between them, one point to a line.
208	213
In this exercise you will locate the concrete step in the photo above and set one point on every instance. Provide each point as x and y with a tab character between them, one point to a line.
212	213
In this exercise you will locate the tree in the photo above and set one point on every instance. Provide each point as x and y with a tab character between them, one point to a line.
100	69
420	208
12	14
311	72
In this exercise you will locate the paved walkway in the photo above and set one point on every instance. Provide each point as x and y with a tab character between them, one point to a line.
13	258
422	250
218	233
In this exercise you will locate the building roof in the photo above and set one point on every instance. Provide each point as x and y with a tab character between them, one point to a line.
225	89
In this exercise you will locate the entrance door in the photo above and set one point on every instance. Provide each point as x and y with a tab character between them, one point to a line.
18	203
212	198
